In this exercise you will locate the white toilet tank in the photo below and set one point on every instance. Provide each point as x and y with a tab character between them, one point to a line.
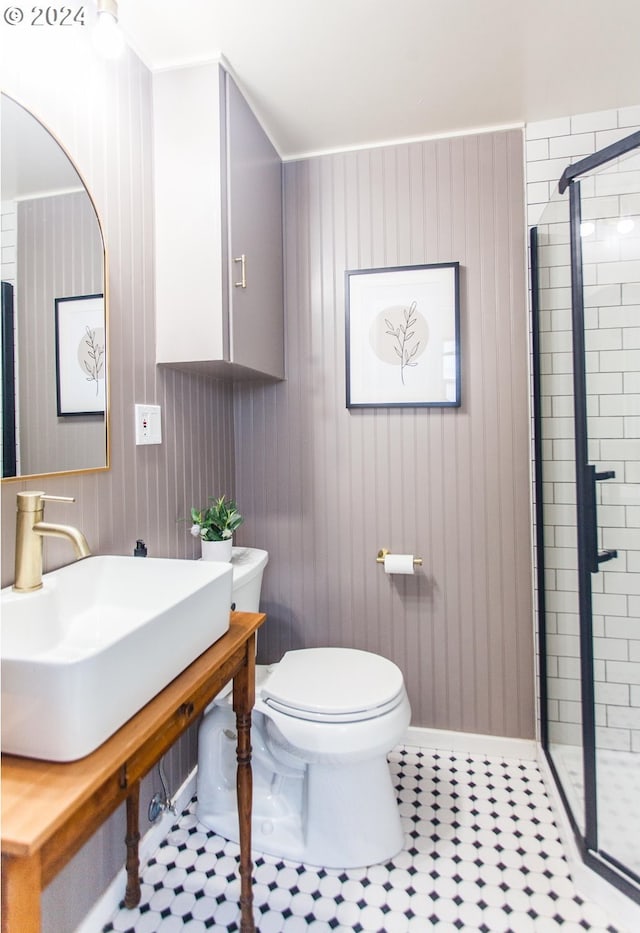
248	565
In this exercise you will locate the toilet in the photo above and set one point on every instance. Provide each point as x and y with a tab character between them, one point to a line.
323	723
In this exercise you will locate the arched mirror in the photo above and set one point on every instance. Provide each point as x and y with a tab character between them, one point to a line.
54	312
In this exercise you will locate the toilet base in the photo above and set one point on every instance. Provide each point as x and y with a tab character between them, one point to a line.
317	814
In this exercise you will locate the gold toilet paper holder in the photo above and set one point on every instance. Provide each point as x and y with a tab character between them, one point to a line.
382	553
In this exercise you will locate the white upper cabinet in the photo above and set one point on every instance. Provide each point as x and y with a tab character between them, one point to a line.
218	223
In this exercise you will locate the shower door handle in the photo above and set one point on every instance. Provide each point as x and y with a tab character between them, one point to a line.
604	556
597	557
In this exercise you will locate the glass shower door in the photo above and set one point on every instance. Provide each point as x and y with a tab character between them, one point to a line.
586	345
557	520
610	241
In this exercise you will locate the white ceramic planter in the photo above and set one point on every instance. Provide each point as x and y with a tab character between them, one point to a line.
217	550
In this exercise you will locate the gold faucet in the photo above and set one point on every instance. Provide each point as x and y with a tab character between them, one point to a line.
30	530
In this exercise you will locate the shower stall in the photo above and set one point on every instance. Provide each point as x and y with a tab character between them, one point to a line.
585	261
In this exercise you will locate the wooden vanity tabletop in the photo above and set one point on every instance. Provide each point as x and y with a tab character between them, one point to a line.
50	809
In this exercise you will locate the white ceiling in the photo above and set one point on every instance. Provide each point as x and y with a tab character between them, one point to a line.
335	74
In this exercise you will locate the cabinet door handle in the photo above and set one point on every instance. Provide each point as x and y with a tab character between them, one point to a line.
243	272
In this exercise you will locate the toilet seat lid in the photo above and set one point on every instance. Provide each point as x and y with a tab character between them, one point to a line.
334	684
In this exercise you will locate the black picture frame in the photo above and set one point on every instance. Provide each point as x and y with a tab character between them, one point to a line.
80	355
402	336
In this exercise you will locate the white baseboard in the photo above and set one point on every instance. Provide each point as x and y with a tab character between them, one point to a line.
620	908
499	746
107	905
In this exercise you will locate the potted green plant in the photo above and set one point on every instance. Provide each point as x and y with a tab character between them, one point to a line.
215	526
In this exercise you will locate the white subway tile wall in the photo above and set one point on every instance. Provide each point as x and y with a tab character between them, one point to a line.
8	240
611	256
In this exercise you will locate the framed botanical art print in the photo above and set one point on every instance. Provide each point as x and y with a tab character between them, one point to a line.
403	336
80	355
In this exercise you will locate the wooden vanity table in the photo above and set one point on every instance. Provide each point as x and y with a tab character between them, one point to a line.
49	809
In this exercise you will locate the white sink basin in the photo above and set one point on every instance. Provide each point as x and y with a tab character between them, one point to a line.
98	641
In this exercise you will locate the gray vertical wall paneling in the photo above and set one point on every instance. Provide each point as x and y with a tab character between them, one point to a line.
354	491
450	485
522	437
491	541
57	233
465	230
472	374
508	428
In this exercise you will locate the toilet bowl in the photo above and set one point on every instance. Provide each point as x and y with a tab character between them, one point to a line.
323	723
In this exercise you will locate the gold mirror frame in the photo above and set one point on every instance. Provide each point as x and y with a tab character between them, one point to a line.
105	291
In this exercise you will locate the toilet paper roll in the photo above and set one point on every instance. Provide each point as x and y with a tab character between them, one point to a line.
399	563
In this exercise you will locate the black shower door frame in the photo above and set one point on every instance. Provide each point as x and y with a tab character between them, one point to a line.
589	557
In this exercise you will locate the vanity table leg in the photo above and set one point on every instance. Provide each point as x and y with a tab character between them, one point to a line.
21	884
132	892
243	700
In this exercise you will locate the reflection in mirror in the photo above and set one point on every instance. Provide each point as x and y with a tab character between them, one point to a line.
52	253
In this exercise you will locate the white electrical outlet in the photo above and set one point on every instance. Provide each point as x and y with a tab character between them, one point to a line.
148	424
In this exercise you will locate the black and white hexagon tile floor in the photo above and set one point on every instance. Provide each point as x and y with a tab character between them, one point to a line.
482	853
